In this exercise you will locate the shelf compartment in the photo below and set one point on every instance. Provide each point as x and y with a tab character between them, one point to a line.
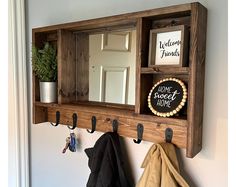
148	80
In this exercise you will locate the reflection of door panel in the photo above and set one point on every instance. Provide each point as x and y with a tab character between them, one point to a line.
108	59
113	84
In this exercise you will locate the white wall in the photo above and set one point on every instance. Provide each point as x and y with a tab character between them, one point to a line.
50	168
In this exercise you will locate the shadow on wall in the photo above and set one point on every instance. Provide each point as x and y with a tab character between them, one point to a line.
183	173
127	165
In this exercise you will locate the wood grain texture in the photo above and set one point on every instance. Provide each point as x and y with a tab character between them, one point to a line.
196	80
146	85
52	37
105	104
39	114
138	65
160	23
182	77
153	131
82	67
143	27
171	11
115	111
66	66
187	126
165	70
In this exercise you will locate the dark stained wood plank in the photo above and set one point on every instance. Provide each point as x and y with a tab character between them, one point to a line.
38	40
164	12
39	114
126	113
165	70
52	37
153	132
146	84
111	105
160	23
66	67
143	28
182	77
117	28
196	80
138	64
82	66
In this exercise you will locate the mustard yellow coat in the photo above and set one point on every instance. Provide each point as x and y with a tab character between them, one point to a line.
161	168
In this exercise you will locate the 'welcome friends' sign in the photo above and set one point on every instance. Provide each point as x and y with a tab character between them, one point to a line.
167	97
167	46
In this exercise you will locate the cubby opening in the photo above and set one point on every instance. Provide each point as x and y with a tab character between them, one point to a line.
39	39
147	82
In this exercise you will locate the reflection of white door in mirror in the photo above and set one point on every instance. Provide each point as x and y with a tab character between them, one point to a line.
113	84
116	41
111	73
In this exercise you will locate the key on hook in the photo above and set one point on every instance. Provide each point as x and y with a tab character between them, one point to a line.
67	144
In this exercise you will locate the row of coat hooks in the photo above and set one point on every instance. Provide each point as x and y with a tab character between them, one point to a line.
140	128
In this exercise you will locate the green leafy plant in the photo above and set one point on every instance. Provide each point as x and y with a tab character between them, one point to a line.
44	62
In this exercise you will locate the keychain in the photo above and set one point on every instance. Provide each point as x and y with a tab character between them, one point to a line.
67	145
70	143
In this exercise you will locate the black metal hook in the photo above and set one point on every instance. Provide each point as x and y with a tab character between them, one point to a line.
93	120
139	133
168	135
74	116
57	119
115	125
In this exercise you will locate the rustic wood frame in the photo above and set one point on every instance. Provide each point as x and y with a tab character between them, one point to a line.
187	129
183	47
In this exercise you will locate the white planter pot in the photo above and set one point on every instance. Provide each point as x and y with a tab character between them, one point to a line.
48	92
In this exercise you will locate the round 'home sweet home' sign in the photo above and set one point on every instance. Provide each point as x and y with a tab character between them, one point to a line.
167	97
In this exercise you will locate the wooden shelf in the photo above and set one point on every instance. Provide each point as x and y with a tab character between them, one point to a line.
165	70
73	61
115	111
154	127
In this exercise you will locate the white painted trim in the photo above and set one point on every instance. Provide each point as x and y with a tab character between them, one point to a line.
18	113
103	72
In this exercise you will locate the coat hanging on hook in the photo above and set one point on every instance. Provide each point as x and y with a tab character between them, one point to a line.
161	165
106	162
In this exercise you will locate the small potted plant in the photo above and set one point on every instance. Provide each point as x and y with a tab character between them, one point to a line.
44	63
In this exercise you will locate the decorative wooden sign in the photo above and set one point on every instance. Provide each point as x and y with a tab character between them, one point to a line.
168	46
167	97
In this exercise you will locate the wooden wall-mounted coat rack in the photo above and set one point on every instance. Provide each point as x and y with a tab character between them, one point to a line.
186	129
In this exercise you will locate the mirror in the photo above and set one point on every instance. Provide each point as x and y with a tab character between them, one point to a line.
112	66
